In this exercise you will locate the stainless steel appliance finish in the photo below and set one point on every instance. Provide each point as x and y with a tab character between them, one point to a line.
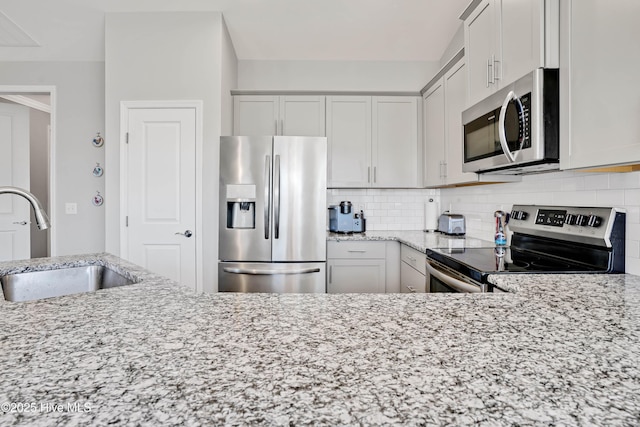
272	277
42	220
441	278
35	285
515	130
272	204
453	224
546	239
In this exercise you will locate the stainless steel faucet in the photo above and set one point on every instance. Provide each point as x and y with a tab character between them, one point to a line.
41	216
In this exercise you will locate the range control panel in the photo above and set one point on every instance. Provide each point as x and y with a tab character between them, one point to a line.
581	224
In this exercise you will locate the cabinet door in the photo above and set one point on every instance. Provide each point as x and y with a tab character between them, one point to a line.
395	156
599	69
434	134
355	276
349	141
255	115
480	29
411	280
522	38
302	116
455	84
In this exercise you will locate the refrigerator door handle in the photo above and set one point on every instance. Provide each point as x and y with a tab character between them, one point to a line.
267	185
259	272
276	197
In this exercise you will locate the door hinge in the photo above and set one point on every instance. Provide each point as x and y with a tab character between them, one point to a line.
126	221
127	137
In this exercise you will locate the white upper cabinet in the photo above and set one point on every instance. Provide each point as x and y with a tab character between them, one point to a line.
480	32
395	154
455	86
255	115
349	141
434	141
373	141
302	115
443	102
292	115
506	39
599	88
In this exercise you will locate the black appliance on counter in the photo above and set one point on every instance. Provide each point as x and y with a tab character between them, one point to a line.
546	239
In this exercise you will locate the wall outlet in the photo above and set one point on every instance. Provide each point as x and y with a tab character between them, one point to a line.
71	208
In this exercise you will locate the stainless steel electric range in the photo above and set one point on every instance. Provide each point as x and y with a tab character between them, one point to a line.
546	239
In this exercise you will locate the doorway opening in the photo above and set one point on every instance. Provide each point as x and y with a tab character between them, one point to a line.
39	101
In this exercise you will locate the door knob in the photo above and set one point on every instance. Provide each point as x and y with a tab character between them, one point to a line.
21	222
187	233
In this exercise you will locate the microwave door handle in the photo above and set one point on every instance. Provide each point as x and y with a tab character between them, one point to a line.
511	96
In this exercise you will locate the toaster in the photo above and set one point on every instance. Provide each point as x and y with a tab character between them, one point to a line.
342	220
453	224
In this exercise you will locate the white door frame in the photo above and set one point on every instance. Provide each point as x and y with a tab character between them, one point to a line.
125	106
52	208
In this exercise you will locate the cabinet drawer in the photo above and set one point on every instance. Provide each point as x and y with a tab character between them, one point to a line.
414	258
411	281
364	250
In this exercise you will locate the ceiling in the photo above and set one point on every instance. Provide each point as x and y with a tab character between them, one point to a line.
374	30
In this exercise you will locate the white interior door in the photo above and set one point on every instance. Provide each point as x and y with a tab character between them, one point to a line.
161	192
15	240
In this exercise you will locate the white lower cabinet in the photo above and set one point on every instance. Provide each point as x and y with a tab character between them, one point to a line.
362	267
356	276
412	270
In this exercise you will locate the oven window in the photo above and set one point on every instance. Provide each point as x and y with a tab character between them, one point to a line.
437	286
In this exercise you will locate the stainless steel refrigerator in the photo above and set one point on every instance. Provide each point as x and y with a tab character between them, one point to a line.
273	192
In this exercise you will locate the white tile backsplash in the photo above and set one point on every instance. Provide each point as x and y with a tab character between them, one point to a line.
403	209
620	190
387	209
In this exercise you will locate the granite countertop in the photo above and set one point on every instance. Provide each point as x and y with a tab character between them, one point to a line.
557	350
417	239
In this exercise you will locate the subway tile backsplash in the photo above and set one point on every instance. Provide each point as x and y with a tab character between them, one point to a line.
387	209
403	209
621	190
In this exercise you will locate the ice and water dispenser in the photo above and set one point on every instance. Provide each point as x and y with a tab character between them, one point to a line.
241	206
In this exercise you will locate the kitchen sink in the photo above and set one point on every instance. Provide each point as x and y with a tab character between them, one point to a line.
36	285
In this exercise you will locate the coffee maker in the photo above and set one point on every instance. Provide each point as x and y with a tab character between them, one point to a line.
343	220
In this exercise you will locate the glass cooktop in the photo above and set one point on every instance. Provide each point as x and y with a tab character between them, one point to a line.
483	261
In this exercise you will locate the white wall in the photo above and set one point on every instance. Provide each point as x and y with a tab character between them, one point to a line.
456	43
170	56
229	80
335	75
80	114
560	188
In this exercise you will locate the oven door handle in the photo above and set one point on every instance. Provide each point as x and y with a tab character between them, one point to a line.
454	283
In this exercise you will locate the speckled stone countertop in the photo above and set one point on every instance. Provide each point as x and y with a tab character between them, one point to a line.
417	239
557	350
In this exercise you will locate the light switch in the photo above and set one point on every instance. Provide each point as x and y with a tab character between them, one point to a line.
71	208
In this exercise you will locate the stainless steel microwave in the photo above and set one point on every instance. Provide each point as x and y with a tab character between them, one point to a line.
516	129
